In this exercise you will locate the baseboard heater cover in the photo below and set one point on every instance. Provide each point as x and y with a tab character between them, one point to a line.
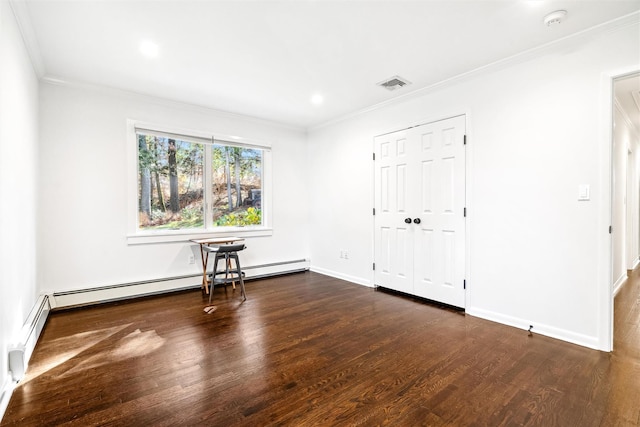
102	294
6	390
20	353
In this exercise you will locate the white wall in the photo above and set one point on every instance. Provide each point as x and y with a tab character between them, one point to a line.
83	188
533	127
18	178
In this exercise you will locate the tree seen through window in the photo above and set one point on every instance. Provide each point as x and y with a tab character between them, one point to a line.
171	184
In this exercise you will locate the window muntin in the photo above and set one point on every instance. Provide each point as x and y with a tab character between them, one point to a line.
187	184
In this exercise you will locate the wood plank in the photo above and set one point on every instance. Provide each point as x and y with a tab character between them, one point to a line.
306	349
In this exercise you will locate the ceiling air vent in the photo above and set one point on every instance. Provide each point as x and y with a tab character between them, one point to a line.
394	83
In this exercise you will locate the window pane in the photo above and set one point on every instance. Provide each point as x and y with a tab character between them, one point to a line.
237	186
170	183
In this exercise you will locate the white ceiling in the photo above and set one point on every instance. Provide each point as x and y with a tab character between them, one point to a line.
267	58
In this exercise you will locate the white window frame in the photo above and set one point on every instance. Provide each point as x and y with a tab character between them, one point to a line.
137	236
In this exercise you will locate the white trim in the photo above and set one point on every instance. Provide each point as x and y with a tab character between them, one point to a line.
28	338
546	330
198	136
31	331
622	280
605	253
625	117
605	289
619	283
5	394
106	294
114	292
468	188
181	236
23	19
353	279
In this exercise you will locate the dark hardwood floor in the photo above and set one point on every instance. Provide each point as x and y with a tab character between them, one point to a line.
306	349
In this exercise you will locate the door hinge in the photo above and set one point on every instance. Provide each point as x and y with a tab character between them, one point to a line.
464	284
374	211
374	266
610	229
465	212
374	156
465	140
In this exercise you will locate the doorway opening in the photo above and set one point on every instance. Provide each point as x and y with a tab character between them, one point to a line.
625	182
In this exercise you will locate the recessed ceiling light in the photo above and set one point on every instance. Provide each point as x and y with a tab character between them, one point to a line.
317	99
554	18
149	49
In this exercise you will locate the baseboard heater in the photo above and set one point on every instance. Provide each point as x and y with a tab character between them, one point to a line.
97	295
20	353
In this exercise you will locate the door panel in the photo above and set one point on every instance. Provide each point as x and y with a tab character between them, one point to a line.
426	181
393	239
445	221
425	259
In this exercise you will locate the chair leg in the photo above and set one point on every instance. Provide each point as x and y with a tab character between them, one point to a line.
227	270
239	270
213	277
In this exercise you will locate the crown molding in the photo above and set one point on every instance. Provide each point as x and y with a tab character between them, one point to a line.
23	19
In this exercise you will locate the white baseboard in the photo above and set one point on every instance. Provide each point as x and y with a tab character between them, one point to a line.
20	353
619	283
346	277
88	296
5	395
549	331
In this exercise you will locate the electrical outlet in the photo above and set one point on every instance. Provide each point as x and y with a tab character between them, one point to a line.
192	259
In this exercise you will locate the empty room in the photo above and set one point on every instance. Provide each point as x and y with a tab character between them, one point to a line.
320	212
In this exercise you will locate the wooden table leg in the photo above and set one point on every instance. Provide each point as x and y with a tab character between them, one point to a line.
204	258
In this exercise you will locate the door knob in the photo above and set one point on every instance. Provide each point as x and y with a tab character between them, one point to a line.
407	220
416	221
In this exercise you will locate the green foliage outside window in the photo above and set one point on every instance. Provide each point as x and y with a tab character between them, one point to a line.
171	184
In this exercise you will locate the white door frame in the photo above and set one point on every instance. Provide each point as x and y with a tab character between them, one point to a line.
605	218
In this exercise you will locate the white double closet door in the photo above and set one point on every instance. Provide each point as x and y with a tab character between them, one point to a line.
420	211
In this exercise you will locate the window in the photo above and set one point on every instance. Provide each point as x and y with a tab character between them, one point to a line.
170	183
193	185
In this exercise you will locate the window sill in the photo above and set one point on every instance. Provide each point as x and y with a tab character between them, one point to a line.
152	237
